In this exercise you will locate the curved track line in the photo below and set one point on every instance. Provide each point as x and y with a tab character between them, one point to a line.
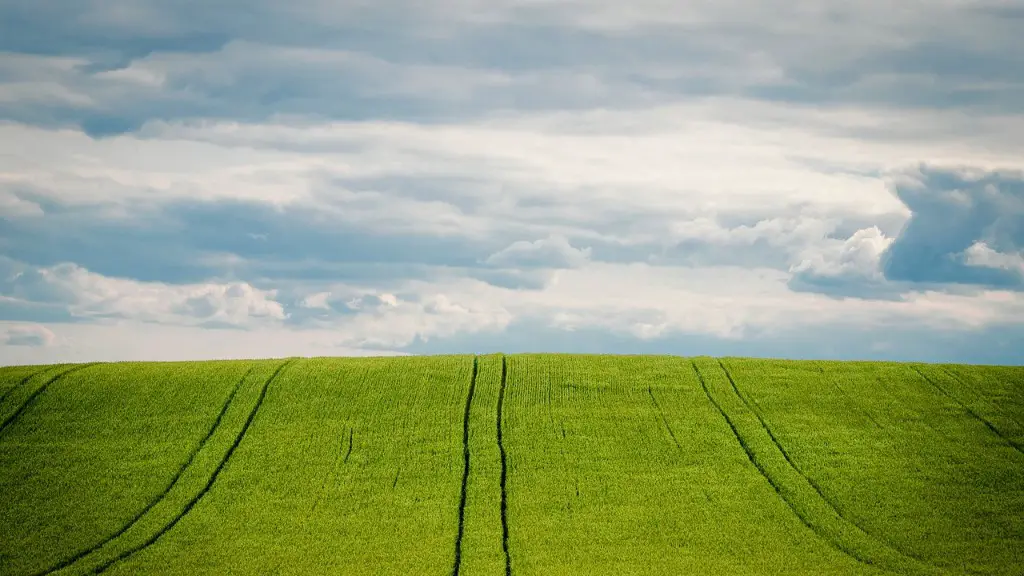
760	468
209	484
831	504
163	494
663	419
25	405
22	382
1009	441
504	470
465	471
998	408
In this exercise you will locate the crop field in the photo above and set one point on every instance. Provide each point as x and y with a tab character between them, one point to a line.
521	464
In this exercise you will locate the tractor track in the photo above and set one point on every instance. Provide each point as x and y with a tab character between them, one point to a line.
760	468
22	382
821	494
998	408
209	484
163	494
465	470
892	559
504	469
39	391
663	419
1009	441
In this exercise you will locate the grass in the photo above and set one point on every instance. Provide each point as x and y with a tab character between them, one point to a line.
524	464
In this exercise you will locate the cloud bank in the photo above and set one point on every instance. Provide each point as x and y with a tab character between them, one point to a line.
809	179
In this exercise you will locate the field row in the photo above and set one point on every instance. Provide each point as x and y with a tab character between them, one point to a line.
524	464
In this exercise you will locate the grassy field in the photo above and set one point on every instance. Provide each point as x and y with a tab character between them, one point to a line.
523	464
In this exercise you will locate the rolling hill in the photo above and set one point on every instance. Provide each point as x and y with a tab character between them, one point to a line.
521	464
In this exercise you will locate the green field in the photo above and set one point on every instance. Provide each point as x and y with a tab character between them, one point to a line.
522	464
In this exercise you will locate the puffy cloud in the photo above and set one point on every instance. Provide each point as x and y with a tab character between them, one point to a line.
979	254
90	296
849	267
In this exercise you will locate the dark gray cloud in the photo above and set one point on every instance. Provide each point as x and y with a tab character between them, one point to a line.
253	60
952	210
189	241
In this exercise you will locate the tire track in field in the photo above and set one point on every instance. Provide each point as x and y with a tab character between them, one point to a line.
760	468
465	471
663	419
32	397
22	382
821	494
997	408
209	484
163	494
1009	441
883	563
504	468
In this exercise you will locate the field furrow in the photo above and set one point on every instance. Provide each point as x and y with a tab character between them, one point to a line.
404	419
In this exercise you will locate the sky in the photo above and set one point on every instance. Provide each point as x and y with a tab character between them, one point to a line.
191	179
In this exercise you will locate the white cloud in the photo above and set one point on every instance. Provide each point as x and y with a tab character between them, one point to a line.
980	254
88	295
856	258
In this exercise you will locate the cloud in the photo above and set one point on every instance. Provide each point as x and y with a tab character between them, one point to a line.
108	68
393	174
33	335
552	252
849	267
952	211
86	295
979	254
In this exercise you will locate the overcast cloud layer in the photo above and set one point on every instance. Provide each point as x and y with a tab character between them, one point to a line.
809	179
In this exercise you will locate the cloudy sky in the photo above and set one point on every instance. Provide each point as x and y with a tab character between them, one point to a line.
248	178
